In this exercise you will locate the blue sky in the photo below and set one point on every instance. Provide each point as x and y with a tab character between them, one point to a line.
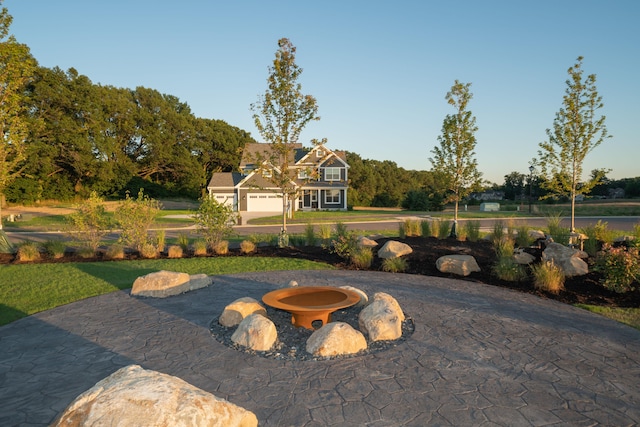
379	69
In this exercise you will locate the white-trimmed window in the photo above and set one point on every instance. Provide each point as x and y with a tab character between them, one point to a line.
332	174
332	197
319	153
266	173
302	174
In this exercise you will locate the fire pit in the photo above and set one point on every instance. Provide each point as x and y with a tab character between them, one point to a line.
308	304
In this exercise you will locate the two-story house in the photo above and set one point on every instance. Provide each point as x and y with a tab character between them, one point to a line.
321	177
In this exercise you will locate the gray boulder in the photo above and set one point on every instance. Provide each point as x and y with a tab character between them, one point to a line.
394	249
335	338
461	265
256	332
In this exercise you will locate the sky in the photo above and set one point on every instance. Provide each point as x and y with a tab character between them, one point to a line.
379	70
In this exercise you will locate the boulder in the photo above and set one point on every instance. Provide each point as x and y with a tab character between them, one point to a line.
383	296
365	242
394	249
334	339
461	265
523	258
537	234
256	332
364	299
233	313
568	259
162	284
133	396
381	320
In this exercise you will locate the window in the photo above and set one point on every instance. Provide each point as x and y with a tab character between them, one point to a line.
332	197
319	152
332	174
302	174
266	173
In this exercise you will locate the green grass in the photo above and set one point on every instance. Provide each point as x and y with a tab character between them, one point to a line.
628	316
28	289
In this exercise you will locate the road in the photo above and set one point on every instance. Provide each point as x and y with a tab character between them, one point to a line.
614	223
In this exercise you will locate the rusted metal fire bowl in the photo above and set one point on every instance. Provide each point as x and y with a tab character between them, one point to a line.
308	304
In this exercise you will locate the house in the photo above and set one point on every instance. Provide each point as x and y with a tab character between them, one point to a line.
321	177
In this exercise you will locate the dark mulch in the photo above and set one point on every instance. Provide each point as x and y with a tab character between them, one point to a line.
582	289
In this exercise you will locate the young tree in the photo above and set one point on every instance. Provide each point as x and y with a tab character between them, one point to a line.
280	115
215	220
90	223
16	70
135	217
576	131
454	161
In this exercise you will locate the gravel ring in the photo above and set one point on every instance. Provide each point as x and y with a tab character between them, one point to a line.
292	341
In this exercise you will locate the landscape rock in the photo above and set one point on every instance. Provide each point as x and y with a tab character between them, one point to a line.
383	296
394	249
537	234
235	312
364	299
380	320
162	284
256	332
523	258
365	242
461	265
568	259
334	339
133	395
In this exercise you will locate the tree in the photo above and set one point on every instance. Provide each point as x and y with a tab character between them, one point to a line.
280	115
90	223
215	220
135	217
514	184
454	160
576	132
16	70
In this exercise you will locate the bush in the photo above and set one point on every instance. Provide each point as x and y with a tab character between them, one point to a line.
344	246
200	248
425	227
149	250
472	230
411	228
325	233
54	248
504	247
507	269
395	265
174	251
114	252
214	220
247	247
620	267
362	257
135	217
90	223
523	240
310	235
548	277
160	240
341	230
221	247
183	241
28	251
559	233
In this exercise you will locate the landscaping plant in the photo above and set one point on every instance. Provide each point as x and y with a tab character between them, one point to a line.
362	257
174	251
310	235
135	217
471	230
247	247
214	220
199	248
90	223
619	266
547	276
115	251
506	268
27	251
54	248
426	229
221	247
395	265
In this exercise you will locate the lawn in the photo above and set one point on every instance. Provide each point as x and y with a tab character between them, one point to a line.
27	289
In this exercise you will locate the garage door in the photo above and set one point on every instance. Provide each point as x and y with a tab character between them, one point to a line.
226	199
264	202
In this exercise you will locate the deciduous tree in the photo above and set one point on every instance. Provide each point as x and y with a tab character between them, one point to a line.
576	132
280	116
454	160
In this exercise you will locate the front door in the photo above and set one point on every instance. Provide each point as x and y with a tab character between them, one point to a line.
309	199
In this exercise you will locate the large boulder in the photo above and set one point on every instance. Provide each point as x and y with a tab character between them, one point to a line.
334	339
162	284
394	249
256	332
233	313
364	299
133	396
523	258
461	265
365	242
381	320
568	259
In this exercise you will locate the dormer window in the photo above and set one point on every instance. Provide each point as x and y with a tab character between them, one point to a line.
319	153
266	173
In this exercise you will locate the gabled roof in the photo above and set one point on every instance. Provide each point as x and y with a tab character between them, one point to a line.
256	150
225	179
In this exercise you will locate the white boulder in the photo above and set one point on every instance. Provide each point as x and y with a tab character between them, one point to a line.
162	284
336	338
233	313
256	332
461	265
394	249
381	320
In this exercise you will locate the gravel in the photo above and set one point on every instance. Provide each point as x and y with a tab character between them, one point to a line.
291	343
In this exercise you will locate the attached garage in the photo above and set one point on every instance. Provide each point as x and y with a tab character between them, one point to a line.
264	202
226	199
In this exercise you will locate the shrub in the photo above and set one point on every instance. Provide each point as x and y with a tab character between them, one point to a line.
148	250
310	235
341	229
559	233
472	230
174	251
28	251
426	228
507	269
160	240
297	240
619	267
221	247
395	265
344	246
183	241
200	248
86	252
214	220
411	228
135	217
498	233
362	257
325	233
54	248
402	230
247	246
504	247
442	228
90	223
115	252
548	277
522	237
